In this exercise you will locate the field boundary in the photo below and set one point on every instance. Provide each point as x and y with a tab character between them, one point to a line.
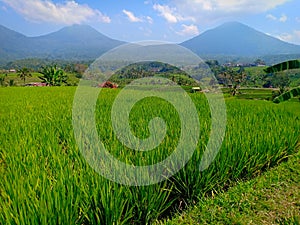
272	198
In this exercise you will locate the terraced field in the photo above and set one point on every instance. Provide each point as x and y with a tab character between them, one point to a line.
46	180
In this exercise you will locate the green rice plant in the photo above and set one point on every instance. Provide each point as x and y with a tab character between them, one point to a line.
46	180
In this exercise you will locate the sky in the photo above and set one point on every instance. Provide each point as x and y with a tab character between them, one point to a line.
162	20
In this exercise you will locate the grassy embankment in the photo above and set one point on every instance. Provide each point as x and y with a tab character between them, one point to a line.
272	198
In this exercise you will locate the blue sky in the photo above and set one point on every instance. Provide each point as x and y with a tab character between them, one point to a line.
137	20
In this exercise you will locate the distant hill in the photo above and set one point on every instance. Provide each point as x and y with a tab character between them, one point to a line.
151	69
77	42
236	39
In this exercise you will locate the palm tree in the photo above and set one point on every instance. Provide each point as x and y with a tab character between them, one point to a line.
23	73
287	65
287	95
53	76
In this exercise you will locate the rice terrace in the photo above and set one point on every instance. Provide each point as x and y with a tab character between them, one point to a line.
99	131
46	179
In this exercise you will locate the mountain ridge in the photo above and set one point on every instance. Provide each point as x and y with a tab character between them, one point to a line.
77	42
234	38
82	42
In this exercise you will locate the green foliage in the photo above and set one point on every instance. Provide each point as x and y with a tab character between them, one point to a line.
233	78
279	80
255	76
259	62
23	73
11	82
240	76
71	81
2	79
271	198
287	65
287	95
53	76
255	93
34	64
151	69
278	77
45	179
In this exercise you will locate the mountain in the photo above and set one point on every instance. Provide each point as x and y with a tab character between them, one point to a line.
236	39
82	42
77	42
12	44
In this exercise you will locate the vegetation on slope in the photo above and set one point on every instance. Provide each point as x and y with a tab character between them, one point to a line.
152	69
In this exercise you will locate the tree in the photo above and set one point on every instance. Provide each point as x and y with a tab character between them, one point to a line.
2	79
23	73
233	79
212	63
216	68
53	76
259	62
278	78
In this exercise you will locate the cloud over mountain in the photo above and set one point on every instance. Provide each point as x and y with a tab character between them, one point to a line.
189	30
216	9
67	13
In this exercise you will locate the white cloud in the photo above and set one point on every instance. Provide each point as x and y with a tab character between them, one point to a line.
298	19
189	30
131	17
271	17
285	37
293	37
149	19
68	13
171	14
216	9
283	18
166	12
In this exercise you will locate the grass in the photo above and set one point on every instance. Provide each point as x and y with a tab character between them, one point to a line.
272	198
45	179
260	93
256	94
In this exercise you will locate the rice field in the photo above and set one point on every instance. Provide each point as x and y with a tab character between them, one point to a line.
46	180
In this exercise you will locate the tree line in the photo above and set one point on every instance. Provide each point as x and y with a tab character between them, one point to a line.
50	75
271	77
